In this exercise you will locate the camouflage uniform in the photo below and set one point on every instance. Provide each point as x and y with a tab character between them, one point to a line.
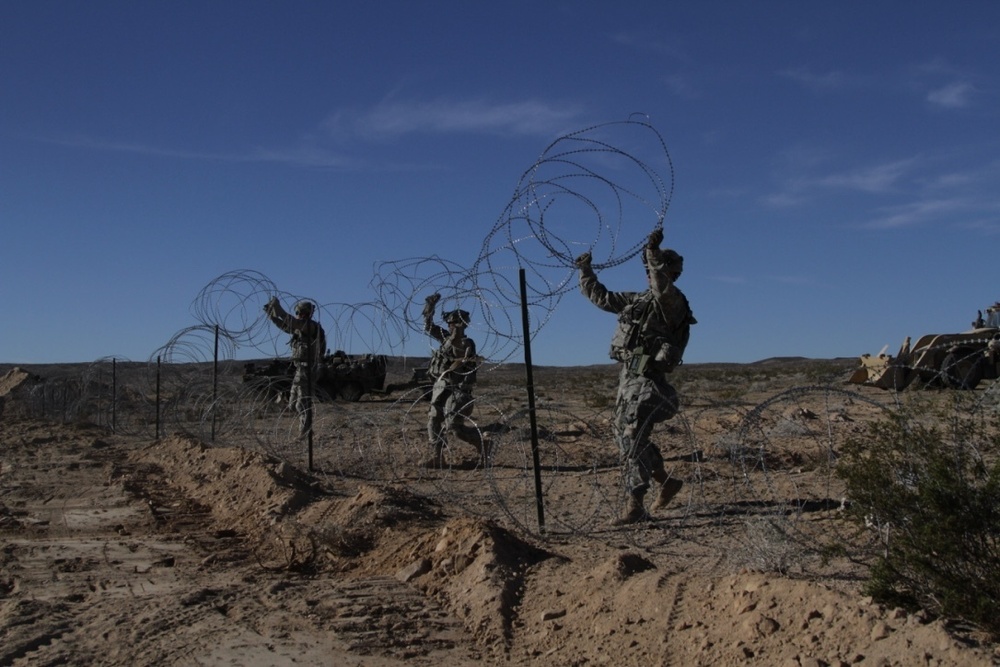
308	343
453	367
652	333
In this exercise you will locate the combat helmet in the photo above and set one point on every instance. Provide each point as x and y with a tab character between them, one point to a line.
304	308
671	261
457	317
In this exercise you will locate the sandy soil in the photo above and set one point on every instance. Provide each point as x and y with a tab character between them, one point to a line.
135	550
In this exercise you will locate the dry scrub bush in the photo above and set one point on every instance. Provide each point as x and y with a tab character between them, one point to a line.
933	499
765	547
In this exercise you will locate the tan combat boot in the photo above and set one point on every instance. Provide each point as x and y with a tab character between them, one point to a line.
669	488
435	461
634	512
475	437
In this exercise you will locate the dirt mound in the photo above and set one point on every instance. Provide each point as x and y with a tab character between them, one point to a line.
384	506
644	613
244	490
376	522
478	570
475	568
496	583
620	567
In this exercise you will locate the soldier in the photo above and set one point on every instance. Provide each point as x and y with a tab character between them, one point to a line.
653	330
453	368
308	343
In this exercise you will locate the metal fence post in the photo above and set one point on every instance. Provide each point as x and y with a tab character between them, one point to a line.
531	402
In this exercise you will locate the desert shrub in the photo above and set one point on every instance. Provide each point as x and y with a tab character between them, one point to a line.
933	500
598	391
765	547
598	400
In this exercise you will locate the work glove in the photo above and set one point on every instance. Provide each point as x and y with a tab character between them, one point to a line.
429	304
583	261
271	303
667	358
655	238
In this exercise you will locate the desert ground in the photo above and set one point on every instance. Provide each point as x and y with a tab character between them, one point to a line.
206	532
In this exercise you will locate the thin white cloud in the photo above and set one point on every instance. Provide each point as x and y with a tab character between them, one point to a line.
732	280
782	200
989	226
678	84
732	192
820	83
877	178
386	120
681	87
301	156
936	66
792	280
137	148
915	213
443	116
951	180
944	85
955	95
305	156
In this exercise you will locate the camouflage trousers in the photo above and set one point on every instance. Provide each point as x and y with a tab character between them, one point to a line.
300	398
642	403
450	406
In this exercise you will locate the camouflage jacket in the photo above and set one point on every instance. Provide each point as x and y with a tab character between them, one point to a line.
456	359
653	326
308	340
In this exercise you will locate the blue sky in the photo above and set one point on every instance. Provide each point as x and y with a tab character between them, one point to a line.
835	181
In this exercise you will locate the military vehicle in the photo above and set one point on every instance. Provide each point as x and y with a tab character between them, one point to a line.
420	380
951	360
338	376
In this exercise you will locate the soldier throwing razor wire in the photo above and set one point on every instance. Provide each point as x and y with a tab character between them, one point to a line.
653	330
308	343
453	367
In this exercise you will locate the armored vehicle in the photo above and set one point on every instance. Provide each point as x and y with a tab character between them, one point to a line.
338	376
949	360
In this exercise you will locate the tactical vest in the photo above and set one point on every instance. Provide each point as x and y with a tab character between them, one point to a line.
443	358
304	343
643	330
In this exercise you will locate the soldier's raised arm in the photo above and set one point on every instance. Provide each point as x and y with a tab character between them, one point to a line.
277	314
435	331
595	291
